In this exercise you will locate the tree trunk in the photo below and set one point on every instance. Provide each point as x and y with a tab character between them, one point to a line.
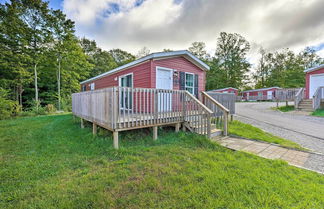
59	85
36	86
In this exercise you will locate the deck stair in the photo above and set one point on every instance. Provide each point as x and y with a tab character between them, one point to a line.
306	105
195	127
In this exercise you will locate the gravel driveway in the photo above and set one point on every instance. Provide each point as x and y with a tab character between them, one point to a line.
308	131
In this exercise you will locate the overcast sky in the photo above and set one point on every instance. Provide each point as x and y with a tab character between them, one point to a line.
175	24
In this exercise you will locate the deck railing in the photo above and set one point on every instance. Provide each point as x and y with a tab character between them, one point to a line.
226	99
299	97
285	95
220	112
258	98
123	108
318	97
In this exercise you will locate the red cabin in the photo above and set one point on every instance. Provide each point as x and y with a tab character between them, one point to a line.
314	80
177	70
226	90
260	94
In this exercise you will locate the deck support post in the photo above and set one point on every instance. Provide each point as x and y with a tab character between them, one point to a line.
232	116
115	134
94	128
155	133
177	127
183	127
82	122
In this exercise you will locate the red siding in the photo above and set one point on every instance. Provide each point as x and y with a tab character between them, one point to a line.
319	71
141	76
255	93
144	74
180	64
229	90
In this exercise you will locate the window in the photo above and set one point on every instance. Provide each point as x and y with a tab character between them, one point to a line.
92	86
126	98
189	83
84	87
126	80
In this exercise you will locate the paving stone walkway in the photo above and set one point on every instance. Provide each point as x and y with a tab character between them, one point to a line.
270	151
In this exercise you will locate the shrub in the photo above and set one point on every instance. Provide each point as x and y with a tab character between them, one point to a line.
50	108
8	108
66	104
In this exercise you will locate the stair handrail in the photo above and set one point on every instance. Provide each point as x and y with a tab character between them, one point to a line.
299	97
199	102
222	107
204	125
317	97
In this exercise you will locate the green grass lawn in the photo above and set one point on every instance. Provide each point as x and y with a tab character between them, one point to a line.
49	162
248	131
285	108
319	112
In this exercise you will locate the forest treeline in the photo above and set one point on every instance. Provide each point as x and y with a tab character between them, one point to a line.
42	60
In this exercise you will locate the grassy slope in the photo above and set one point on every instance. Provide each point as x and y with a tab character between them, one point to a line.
319	112
49	162
248	131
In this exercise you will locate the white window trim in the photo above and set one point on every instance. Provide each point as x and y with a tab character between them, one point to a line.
122	76
119	84
164	68
193	82
92	86
310	84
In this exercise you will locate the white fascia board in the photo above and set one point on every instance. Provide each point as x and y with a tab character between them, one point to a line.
152	56
314	68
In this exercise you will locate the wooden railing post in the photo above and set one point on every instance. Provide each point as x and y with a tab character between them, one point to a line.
225	123
115	108
184	106
156	106
209	125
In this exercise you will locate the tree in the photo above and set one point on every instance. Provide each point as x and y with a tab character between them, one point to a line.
231	59
199	50
143	52
262	71
14	73
285	68
121	57
102	60
35	16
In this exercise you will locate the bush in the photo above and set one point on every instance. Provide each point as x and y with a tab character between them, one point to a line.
50	108
8	108
66	104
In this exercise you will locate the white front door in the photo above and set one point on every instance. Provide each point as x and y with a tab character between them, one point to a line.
164	81
269	95
315	81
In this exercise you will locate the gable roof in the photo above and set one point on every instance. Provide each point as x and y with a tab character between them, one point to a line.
223	89
192	58
252	90
314	68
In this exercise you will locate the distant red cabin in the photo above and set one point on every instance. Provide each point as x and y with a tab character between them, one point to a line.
260	94
177	70
314	79
226	90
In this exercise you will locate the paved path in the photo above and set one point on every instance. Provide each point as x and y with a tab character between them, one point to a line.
271	151
308	131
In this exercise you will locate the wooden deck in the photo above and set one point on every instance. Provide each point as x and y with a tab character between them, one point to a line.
120	108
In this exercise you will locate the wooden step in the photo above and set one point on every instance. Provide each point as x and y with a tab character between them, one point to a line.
306	103
305	106
216	132
306	109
